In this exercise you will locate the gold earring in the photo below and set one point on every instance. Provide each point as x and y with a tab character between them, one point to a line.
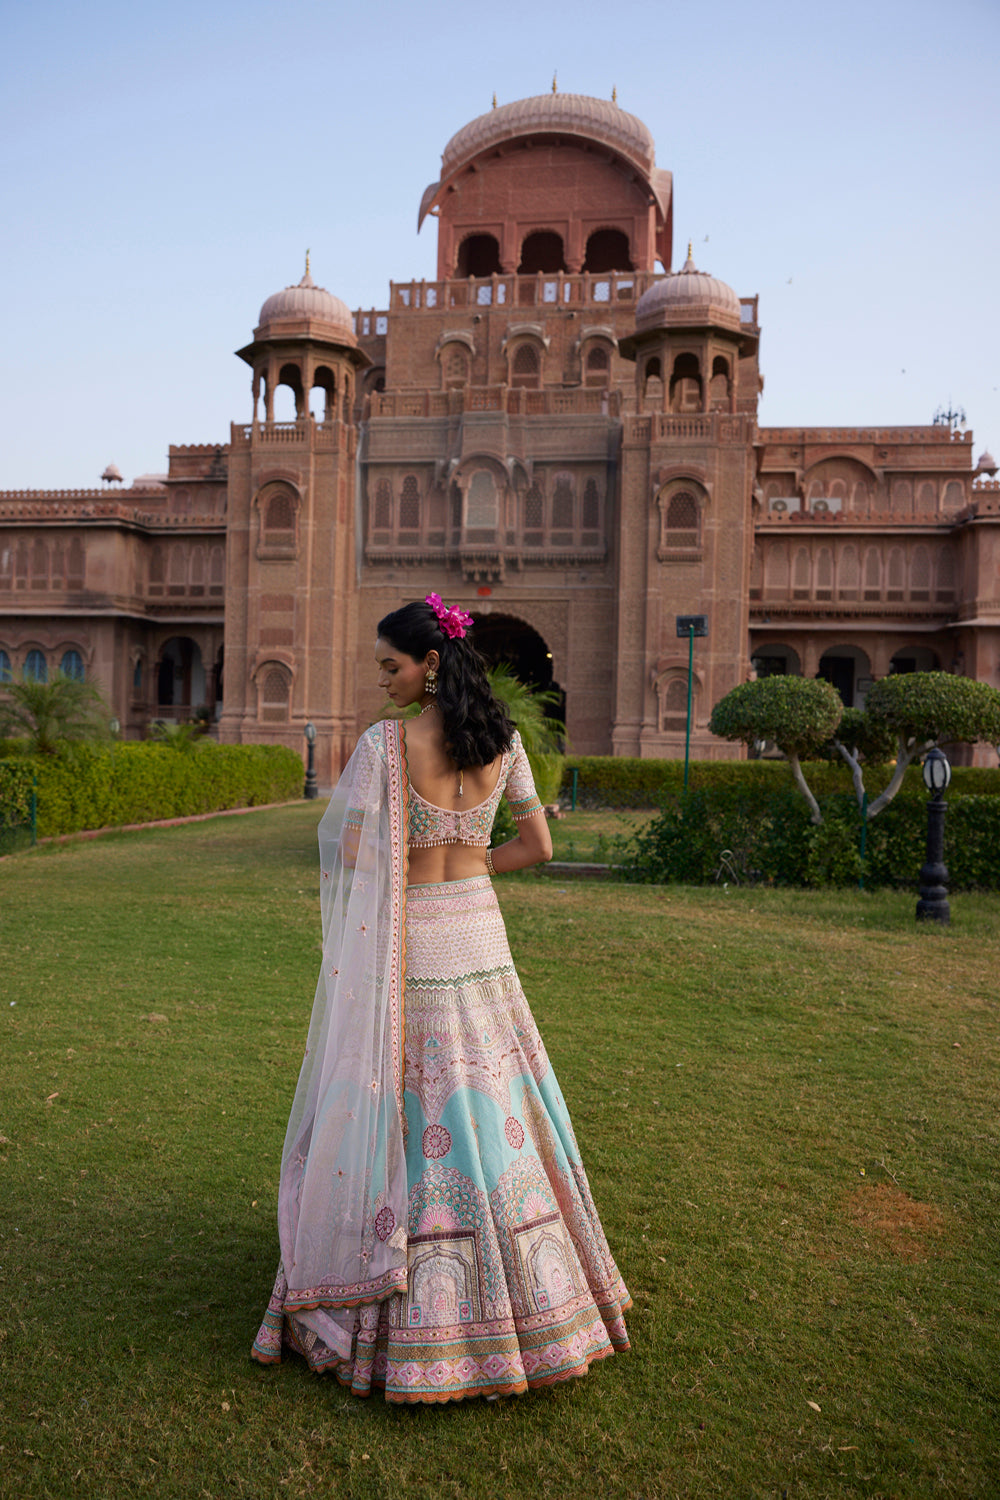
431	681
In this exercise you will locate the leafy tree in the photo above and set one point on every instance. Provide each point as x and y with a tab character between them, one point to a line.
181	737
906	715
48	716
800	714
913	712
529	709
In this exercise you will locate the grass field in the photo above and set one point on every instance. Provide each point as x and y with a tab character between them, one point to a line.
787	1103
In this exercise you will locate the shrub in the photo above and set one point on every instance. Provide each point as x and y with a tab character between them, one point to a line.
132	782
730	833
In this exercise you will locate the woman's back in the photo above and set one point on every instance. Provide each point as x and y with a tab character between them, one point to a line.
434	778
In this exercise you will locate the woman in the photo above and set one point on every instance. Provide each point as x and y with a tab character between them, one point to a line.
438	1235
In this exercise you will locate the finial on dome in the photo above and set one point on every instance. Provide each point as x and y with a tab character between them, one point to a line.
614	93
555	89
494	98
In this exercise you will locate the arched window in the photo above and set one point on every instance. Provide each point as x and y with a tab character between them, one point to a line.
542	251
533	517
197	570
849	574
591	506
920	574
719	385
598	366
279	515
801	576
177	569
873	575
36	668
72	665
682	520
946	576
824	574
409	504
274	694
157	573
685	384
608	250
383	505
217	570
58	569
5	673
524	367
776	570
652	381
137	677
456	368
6	563
954	495
75	565
897	575
287	407
39	564
927	498
481	511
563	506
673	706
478	255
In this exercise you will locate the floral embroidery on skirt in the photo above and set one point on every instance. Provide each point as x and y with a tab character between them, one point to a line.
510	1282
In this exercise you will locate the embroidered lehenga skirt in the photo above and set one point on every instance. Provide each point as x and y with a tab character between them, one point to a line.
510	1282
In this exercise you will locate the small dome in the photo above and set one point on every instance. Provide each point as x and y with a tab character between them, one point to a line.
306	302
112	474
687	295
987	463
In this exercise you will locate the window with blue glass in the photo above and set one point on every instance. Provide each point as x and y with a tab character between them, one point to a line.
72	665
36	668
5	672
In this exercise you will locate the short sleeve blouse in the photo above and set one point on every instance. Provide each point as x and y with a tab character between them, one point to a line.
431	825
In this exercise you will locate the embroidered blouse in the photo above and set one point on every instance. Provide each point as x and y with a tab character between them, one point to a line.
431	825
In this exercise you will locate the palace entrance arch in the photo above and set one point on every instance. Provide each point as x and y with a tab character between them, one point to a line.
504	638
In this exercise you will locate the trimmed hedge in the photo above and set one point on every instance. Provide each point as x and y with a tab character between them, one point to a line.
15	805
770	839
624	781
105	786
547	771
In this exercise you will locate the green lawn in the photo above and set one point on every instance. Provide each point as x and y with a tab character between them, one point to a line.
787	1102
595	836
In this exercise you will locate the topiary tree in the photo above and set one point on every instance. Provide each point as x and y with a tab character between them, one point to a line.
912	712
905	715
50	715
800	714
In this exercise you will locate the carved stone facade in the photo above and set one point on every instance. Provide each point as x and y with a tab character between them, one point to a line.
558	434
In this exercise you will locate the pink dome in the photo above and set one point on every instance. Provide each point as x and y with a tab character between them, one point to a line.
687	296
306	302
553	114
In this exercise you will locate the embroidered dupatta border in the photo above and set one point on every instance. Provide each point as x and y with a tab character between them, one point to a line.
399	790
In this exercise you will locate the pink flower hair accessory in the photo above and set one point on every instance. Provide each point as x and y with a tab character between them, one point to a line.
454	622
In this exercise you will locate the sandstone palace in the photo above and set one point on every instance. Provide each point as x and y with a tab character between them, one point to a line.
559	434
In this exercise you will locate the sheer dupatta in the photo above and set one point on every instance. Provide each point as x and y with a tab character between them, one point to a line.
342	1197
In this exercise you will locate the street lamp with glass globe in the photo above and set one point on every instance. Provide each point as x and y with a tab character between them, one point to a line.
933	904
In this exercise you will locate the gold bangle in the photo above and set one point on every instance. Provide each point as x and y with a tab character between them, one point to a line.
490	869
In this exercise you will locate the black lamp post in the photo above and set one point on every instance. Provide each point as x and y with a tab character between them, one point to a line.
310	790
933	903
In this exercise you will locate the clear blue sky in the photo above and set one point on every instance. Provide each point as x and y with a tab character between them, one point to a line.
164	167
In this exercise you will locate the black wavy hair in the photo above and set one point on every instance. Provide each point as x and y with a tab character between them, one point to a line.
476	726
